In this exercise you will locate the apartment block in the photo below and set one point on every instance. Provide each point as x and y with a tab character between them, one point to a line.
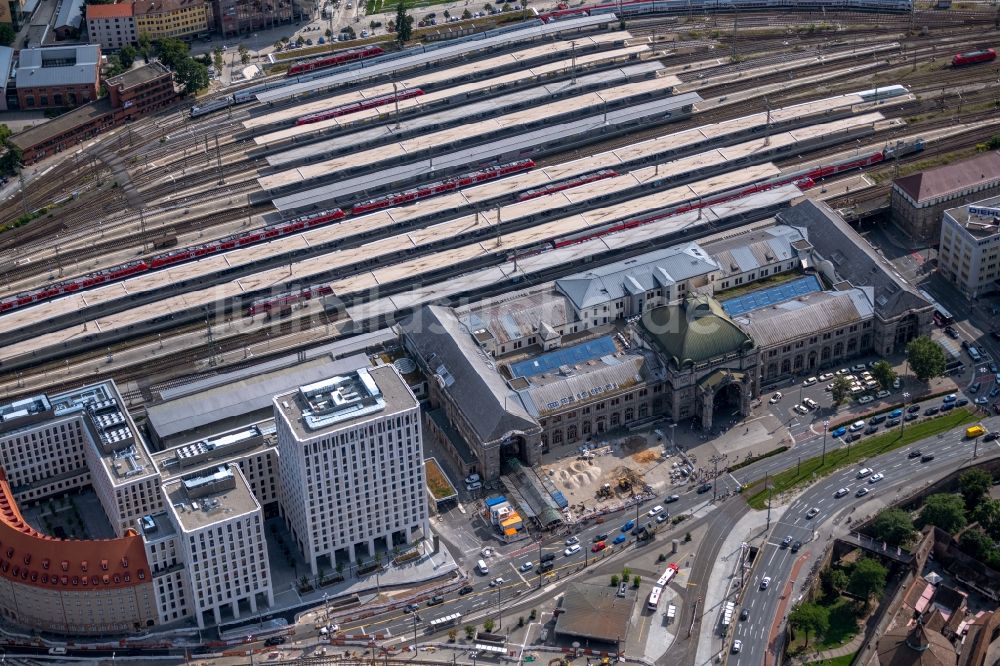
969	254
183	19
111	26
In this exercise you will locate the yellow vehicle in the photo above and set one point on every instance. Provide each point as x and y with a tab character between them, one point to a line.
975	431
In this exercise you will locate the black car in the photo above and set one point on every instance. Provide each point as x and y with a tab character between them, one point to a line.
990	436
853	437
545	567
892	422
704	488
275	640
435	600
914	454
875	420
927	457
931	411
952	333
911	417
744	614
913	409
548	557
871	429
948	406
466	590
961	402
600	537
796	546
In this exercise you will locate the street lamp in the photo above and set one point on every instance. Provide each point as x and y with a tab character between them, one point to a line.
902	422
499	611
826	426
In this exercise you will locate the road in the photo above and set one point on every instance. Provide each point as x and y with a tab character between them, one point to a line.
951	451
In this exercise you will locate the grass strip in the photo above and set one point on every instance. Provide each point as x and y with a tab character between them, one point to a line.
844	455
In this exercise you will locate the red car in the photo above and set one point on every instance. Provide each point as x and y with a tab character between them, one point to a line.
598	547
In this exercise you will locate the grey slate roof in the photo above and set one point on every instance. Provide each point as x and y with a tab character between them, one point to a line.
805	315
70	14
963	176
852	258
513	318
6	60
32	74
466	373
745	253
636	275
580	388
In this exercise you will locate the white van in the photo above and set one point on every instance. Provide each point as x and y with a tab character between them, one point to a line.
482	568
57	650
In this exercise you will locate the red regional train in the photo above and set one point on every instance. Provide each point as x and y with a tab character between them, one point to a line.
334	60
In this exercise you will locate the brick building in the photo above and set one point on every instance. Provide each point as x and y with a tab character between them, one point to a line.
919	200
111	26
57	77
132	94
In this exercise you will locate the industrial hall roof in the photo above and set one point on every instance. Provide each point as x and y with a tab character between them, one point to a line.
57	66
694	331
595	612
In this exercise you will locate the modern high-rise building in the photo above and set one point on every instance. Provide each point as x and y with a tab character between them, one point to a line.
969	254
352	474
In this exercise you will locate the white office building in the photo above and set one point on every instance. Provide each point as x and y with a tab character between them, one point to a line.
220	540
352	473
969	255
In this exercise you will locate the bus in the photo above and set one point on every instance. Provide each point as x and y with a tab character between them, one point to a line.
661	584
941	316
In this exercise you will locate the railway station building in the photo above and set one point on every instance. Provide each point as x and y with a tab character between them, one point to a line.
919	200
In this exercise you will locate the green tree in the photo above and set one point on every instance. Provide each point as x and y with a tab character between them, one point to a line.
127	55
987	514
867	579
973	485
217	60
173	52
7	34
470	631
466	15
446	14
884	374
488	625
506	7
615	580
834	580
487	8
926	358
404	24
810	618
892	526
115	66
145	45
4	133
192	75
626	572
244	55
977	543
945	510
300	40
636	580
841	389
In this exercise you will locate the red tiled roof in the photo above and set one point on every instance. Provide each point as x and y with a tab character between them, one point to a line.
32	558
950	178
119	10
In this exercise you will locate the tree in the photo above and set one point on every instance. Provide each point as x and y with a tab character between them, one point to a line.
115	66
615	580
404	24
452	634
488	625
470	631
977	543
884	374
506	7
300	40
217	60
488	8
892	526
987	514
244	55
329	33
192	75
446	14
145	45
945	510
626	572
636	580
867	579
810	618
835	580
841	389
173	52
7	34
524	4
973	485
466	15
926	358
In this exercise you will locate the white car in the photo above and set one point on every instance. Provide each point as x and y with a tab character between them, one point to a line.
801	409
497	581
865	471
655	510
896	383
876	478
737	646
882	394
528	566
810	381
856	426
812	512
859	367
775	398
765	582
572	550
865	399
572	540
826	376
810	403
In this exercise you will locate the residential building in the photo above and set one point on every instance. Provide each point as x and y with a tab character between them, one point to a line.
919	200
352	472
183	19
220	540
132	94
969	254
111	26
69	20
58	76
234	17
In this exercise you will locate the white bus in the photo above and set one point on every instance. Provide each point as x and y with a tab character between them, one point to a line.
654	598
661	584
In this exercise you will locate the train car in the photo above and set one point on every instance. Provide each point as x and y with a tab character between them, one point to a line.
567	184
885	92
973	57
637	8
355	107
333	60
211	107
